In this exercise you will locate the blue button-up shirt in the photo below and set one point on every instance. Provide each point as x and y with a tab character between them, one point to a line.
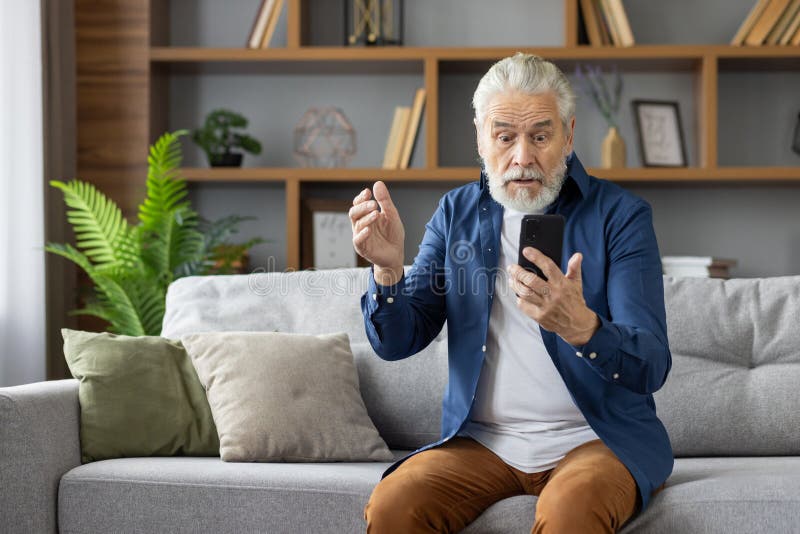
611	378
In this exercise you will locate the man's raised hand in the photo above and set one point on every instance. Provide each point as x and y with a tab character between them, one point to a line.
378	236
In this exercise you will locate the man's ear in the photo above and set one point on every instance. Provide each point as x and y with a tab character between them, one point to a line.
478	135
571	135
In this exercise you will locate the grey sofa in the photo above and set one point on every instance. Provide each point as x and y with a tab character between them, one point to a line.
731	405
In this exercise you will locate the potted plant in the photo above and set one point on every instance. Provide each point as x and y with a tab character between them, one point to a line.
591	81
218	137
130	266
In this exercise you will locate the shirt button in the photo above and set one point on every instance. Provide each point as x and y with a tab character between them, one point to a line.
483	348
389	299
616	375
579	354
592	356
374	296
488	250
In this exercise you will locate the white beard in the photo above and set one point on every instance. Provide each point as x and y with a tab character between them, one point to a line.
522	201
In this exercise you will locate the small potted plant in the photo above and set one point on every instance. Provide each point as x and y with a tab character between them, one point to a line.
217	137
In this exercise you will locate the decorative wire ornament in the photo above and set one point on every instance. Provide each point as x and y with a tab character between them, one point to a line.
373	22
324	138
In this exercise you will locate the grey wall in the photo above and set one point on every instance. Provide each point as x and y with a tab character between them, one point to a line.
756	224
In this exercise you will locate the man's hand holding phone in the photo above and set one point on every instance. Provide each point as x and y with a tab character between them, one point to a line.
556	304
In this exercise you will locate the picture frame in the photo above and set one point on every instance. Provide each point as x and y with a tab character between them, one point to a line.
326	235
658	125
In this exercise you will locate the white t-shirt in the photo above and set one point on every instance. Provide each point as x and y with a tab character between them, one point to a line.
523	411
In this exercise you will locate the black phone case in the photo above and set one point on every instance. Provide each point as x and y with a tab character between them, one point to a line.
545	233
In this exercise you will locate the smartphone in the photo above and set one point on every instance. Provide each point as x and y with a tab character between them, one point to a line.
545	233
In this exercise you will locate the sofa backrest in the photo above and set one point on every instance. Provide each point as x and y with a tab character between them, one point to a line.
733	388
735	353
403	398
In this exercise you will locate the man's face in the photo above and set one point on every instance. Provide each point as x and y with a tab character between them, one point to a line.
524	148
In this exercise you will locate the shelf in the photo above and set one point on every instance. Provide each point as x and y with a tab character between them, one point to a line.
454	174
454	59
389	53
467	174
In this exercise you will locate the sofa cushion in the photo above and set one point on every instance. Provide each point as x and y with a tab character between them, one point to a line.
735	349
199	495
403	398
281	397
139	396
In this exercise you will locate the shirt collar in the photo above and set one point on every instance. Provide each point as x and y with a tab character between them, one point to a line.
575	172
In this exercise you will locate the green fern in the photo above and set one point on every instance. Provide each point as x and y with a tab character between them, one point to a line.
131	266
100	230
169	225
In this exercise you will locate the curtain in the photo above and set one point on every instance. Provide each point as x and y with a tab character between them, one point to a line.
22	278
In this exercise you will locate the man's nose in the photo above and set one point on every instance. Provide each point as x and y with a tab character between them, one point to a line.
524	153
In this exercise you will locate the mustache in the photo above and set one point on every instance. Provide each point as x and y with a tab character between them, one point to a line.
518	173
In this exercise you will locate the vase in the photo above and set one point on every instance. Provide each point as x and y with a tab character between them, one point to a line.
613	149
228	159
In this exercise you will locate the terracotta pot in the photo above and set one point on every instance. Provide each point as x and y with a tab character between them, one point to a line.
613	150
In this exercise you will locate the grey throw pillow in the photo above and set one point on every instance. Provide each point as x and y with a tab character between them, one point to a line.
280	397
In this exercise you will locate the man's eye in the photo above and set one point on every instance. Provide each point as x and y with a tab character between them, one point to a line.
504	138
540	138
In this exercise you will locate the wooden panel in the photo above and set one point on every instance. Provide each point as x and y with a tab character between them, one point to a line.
706	95
112	42
294	29
292	224
431	113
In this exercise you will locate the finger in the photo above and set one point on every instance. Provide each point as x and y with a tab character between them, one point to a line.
523	276
384	199
544	263
360	238
365	221
574	267
524	292
362	209
362	196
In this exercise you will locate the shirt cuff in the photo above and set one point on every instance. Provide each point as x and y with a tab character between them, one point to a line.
382	298
602	349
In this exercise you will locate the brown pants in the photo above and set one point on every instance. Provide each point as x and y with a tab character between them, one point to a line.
445	488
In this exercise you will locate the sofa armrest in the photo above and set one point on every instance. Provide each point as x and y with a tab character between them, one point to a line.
39	442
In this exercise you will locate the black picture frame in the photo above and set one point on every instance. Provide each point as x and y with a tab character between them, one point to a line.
660	133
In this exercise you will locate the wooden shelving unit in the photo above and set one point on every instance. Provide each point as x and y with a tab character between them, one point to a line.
705	61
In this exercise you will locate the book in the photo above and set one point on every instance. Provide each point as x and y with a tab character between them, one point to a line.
605	33
791	30
621	20
748	22
413	127
766	22
260	24
391	154
608	16
796	38
783	23
591	23
274	15
696	266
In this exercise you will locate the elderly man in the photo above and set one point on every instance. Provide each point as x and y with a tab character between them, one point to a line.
550	382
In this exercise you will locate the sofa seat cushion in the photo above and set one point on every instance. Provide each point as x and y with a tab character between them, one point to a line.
183	494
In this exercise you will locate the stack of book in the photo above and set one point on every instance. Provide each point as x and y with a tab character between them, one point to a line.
770	22
264	24
606	23
403	133
696	266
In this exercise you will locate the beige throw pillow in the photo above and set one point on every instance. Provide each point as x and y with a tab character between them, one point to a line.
279	397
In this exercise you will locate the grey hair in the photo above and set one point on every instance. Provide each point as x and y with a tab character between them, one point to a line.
529	74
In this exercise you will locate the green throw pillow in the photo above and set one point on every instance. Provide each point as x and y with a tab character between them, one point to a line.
139	396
